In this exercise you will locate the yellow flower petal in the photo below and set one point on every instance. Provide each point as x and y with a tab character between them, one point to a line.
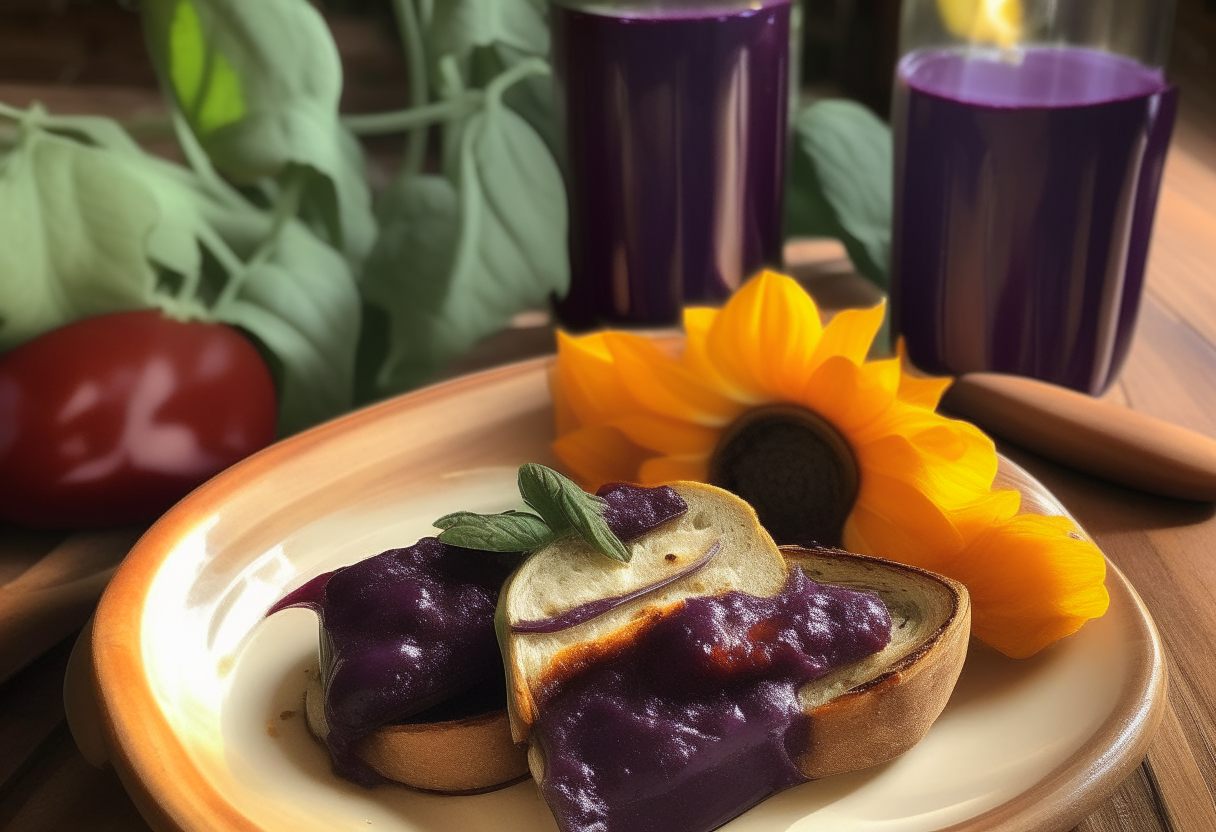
951	477
595	455
667	436
850	334
565	419
1031	582
666	469
697	321
914	388
588	382
849	396
893	520
763	340
663	385
992	509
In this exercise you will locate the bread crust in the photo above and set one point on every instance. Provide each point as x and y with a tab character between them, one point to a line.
461	756
881	718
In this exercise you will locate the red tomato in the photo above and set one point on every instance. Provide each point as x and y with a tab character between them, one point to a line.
108	421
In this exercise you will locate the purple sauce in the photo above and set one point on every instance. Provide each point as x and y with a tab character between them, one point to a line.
675	127
633	510
409	633
1025	196
405	630
695	720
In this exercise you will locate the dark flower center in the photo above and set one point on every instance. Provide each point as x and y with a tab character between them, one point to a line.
795	469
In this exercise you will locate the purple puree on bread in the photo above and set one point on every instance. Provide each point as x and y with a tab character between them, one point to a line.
692	722
410	628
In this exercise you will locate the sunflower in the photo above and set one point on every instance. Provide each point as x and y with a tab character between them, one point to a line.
829	447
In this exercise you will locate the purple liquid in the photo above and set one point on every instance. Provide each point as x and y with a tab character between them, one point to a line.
675	128
694	722
1024	201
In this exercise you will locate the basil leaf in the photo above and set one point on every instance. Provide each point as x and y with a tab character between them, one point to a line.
841	182
534	99
512	531
259	83
412	259
458	27
73	227
563	505
452	273
303	305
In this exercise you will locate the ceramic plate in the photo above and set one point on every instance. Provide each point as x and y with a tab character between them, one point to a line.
200	695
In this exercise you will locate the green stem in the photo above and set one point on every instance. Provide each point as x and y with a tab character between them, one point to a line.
10	112
401	121
200	163
524	69
285	209
415	56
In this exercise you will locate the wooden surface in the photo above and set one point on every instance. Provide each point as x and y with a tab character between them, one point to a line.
1167	548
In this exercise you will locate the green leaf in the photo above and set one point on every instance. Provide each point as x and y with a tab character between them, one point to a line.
259	83
841	180
406	278
565	506
512	531
458	27
73	227
89	223
302	304
458	259
534	98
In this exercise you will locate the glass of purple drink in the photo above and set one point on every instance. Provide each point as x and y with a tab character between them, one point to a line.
1030	142
674	117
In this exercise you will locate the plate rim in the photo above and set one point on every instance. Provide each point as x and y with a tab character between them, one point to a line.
142	743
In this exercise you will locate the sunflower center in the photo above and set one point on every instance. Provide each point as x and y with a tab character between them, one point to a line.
795	469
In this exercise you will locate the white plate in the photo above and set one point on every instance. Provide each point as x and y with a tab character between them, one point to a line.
200	695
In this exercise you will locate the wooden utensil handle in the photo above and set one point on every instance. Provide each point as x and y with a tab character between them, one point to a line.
1088	434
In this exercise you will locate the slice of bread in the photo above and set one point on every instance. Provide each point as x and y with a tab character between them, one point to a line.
860	714
877	708
465	755
569	573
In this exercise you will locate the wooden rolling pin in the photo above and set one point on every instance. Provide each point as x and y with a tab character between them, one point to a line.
1088	434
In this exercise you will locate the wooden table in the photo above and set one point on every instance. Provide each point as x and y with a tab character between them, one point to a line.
1167	548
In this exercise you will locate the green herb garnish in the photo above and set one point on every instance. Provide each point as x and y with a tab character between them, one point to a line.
562	509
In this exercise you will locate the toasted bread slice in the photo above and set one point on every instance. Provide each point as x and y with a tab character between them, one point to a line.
861	714
569	574
468	755
877	708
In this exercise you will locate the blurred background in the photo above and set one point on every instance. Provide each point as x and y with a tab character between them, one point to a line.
89	54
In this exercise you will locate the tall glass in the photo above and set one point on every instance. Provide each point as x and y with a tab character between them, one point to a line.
674	114
1030	141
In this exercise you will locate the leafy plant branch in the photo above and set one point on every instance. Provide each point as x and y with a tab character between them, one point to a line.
414	118
415	54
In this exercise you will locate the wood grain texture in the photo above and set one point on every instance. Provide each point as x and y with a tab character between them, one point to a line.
1184	795
55	595
1134	807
